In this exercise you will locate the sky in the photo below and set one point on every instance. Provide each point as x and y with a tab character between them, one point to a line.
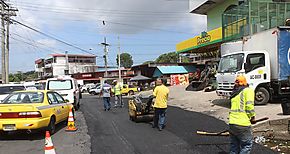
146	28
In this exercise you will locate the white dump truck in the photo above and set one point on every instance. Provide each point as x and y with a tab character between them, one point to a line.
263	58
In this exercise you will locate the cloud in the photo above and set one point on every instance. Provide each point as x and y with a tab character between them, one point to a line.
121	17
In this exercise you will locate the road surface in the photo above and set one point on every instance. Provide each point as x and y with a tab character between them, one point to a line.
113	132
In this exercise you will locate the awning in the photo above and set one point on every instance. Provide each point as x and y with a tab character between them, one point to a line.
139	78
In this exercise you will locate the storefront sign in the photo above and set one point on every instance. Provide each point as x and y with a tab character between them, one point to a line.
179	79
206	38
86	75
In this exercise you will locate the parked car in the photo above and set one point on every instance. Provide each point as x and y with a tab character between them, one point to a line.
31	110
95	91
87	87
67	87
129	89
6	89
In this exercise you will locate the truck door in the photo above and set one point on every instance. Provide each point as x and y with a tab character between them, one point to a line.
255	69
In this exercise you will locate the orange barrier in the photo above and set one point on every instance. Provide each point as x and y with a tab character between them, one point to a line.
49	148
70	122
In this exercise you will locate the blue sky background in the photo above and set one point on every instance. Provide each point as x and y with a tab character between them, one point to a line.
147	28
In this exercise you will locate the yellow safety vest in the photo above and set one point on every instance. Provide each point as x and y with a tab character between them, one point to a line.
161	93
242	108
117	89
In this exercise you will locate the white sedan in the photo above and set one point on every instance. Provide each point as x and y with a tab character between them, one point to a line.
95	91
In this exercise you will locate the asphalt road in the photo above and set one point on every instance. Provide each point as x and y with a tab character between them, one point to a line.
112	132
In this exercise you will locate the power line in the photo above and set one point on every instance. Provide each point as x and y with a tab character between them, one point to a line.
52	37
37	5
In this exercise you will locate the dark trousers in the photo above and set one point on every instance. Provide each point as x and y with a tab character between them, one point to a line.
241	139
107	103
159	117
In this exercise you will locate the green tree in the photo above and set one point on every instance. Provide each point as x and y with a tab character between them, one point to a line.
126	60
171	57
148	62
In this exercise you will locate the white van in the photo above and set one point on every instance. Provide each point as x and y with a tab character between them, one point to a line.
67	87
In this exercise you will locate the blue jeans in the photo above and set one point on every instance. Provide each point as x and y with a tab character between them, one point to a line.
241	139
159	117
107	103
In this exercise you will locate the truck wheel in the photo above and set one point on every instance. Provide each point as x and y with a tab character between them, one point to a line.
93	93
262	96
130	93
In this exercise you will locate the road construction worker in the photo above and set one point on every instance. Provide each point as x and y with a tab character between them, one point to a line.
160	105
241	116
117	91
106	94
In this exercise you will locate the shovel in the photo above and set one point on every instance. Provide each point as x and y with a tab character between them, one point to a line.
226	132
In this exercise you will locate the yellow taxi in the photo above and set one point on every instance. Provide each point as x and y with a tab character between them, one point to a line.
30	110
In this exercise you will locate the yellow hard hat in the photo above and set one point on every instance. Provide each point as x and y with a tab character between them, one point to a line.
241	80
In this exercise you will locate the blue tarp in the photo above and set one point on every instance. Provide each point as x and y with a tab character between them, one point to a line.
284	54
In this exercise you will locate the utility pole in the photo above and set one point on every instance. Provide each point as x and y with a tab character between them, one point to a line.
119	60
66	71
3	43
6	13
105	56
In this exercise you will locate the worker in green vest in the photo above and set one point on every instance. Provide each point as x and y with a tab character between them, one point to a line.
242	115
117	91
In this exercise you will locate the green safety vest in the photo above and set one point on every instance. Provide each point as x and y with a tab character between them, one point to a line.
242	108
117	89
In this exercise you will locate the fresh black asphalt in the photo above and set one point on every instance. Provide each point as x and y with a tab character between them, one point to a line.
112	132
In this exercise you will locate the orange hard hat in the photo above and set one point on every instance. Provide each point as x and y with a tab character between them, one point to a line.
241	80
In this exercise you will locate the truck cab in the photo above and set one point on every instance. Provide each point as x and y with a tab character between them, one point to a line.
254	65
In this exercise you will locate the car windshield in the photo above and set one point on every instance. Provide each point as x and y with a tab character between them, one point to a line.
10	89
60	85
231	63
24	97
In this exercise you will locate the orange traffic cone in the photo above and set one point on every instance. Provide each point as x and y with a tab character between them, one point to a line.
49	148
70	122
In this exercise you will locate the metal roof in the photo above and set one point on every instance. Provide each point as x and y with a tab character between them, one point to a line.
172	69
206	6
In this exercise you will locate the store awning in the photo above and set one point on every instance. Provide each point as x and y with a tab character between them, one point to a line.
139	78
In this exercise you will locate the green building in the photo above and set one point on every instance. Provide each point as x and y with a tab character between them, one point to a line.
229	20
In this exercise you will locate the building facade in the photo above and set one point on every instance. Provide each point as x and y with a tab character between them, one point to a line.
231	20
61	64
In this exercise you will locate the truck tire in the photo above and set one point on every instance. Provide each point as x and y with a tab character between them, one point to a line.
262	96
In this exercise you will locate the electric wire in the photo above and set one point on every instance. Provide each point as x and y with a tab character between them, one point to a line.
52	37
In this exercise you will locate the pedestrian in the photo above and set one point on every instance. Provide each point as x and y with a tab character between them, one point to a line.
241	116
160	105
106	94
117	90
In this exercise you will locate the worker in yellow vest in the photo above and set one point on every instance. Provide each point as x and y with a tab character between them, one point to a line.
241	116
117	91
160	105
